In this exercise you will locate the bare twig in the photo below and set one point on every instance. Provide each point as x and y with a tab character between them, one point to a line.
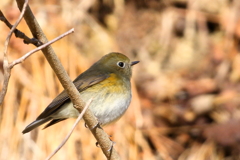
70	133
20	60
20	34
6	69
8	66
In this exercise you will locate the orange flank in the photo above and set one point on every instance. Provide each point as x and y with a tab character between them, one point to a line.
113	81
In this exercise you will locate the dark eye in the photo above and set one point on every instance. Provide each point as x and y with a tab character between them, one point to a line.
121	64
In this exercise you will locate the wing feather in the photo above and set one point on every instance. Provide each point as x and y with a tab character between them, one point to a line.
81	84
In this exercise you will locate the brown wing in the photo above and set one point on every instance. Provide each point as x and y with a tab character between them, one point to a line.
81	84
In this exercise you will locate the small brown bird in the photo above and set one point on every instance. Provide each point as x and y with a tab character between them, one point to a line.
107	80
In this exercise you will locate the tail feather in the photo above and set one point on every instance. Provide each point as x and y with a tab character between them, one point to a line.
35	124
54	121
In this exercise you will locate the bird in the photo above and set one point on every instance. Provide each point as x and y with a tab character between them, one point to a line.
107	81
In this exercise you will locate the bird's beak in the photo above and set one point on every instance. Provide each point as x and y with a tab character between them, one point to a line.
134	62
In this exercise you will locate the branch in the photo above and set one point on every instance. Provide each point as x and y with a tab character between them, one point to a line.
20	34
89	118
6	68
20	60
69	134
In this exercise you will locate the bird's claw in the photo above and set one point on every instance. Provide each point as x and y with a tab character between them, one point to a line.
111	147
95	126
113	143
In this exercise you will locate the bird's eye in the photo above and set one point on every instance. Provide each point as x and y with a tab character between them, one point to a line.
121	64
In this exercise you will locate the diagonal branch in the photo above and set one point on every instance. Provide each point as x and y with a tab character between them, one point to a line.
20	60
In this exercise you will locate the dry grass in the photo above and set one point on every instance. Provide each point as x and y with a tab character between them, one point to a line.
185	90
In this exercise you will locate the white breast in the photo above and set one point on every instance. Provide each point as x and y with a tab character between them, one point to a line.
112	108
107	108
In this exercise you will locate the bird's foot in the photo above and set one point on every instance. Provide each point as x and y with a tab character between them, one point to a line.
111	147
98	125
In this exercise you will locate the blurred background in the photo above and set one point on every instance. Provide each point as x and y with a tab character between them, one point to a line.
186	89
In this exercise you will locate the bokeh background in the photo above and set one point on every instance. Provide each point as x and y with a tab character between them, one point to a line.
186	90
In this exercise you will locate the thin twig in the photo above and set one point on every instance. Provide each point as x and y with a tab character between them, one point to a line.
70	133
20	34
6	69
20	60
